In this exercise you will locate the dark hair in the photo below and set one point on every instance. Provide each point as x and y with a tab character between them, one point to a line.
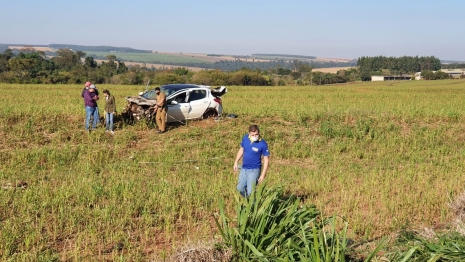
157	89
253	128
106	91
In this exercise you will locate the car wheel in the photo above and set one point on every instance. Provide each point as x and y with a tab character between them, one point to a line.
210	113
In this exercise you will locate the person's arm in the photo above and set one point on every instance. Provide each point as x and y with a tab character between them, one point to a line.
94	96
266	160
162	101
238	157
113	104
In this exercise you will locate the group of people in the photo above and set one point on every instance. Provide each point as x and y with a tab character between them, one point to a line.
253	148
91	96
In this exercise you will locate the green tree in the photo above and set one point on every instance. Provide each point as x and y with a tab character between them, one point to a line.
441	75
427	75
7	55
66	59
30	67
122	68
90	62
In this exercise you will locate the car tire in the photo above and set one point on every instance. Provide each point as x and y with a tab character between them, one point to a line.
210	113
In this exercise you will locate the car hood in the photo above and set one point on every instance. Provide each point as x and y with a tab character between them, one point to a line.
140	100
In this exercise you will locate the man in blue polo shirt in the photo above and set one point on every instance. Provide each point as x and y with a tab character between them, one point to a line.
253	147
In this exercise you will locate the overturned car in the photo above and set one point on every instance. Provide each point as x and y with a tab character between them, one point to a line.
185	102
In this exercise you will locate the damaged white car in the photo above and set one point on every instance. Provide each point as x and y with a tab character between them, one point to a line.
185	102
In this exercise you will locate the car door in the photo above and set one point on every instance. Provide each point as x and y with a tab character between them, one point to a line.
178	108
198	102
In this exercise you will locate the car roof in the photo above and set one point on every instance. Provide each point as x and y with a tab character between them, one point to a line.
177	87
172	89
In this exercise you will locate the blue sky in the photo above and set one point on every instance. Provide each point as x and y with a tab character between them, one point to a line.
331	29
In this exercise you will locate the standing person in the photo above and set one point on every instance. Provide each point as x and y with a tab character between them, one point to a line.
253	147
86	87
161	109
96	112
110	110
90	101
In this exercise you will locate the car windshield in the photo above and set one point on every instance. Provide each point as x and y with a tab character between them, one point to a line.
150	94
167	89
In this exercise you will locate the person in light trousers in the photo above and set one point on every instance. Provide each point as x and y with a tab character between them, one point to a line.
110	111
253	149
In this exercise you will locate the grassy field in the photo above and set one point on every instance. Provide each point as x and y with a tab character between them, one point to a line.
382	155
151	57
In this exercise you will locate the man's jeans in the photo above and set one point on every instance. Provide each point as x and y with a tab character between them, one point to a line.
90	111
109	121
247	181
96	116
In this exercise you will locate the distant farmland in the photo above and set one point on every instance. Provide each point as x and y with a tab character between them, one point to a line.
157	58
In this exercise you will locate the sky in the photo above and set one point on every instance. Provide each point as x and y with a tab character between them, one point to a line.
327	29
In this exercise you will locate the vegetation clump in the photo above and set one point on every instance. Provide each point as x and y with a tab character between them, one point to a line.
271	226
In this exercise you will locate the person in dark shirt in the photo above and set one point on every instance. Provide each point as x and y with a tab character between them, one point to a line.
90	102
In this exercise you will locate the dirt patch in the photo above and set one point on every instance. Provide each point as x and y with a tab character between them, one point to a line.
322	59
331	70
38	48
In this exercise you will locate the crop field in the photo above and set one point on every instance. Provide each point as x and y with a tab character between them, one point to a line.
383	156
151	57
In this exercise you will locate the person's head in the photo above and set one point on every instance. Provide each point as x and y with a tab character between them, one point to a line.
92	88
106	92
87	84
157	90
254	132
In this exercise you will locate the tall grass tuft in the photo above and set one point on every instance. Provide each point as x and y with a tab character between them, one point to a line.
273	227
449	246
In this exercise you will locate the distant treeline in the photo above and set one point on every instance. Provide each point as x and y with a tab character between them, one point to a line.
453	66
281	55
382	65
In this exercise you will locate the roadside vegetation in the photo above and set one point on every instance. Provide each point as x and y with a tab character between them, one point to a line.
383	159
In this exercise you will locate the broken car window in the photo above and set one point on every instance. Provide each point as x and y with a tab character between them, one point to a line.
197	95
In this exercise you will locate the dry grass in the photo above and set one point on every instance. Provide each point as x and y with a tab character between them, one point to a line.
202	252
458	207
